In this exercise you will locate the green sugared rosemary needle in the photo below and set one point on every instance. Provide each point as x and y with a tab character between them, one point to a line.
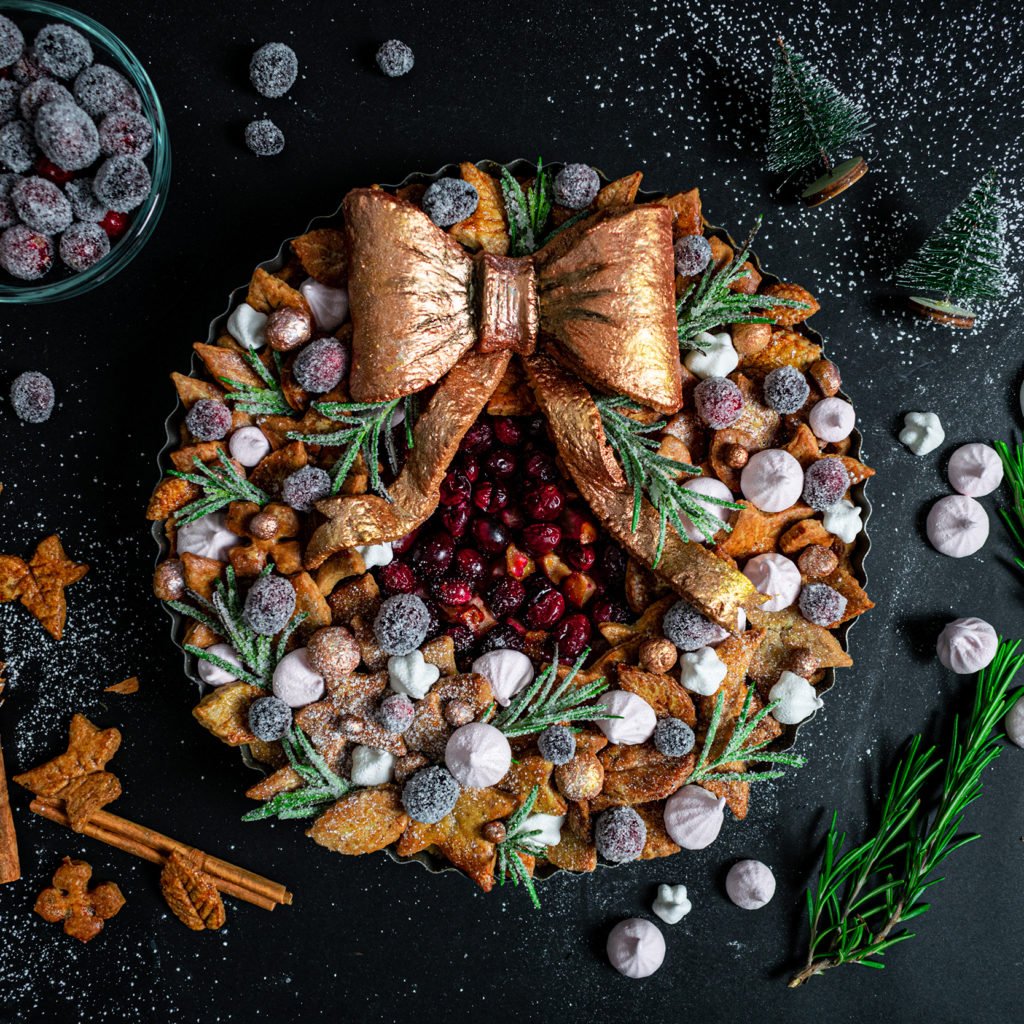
267	400
520	840
1013	467
221	486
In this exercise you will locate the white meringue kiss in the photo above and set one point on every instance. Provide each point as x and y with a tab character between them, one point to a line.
693	817
772	480
371	767
750	884
967	645
672	903
548	827
957	526
248	326
776	576
411	674
636	948
715	489
208	537
975	470
719	359
248	446
798	700
702	671
506	670
832	420
922	432
843	520
477	755
376	554
636	720
329	306
214	675
295	682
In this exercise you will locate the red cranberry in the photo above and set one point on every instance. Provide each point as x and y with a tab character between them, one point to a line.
514	518
462	637
541	467
580	556
490	497
542	537
604	610
114	223
470	467
491	536
403	544
434	557
434	626
578	527
500	463
573	635
479	438
455	592
613	565
508	431
544	503
455	520
500	638
49	170
396	578
718	401
505	595
547	608
455	489
469	565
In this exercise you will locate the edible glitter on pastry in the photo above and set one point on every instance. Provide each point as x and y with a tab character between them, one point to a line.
777	577
975	470
750	884
832	420
967	645
636	948
694	817
772	480
957	526
295	682
702	671
636	721
797	698
477	755
207	537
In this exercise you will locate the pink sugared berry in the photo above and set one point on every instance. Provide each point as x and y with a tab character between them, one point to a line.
82	245
719	402
24	253
208	420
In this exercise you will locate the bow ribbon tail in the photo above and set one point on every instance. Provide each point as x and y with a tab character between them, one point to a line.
708	582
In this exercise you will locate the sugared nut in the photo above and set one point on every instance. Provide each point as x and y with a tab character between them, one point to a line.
736	456
658	655
581	778
749	339
288	328
333	653
817	560
458	712
264	526
494	832
409	765
825	374
802	662
169	580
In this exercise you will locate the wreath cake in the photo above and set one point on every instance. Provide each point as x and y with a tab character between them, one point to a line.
512	521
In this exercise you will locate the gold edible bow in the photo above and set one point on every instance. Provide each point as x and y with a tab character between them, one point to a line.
595	306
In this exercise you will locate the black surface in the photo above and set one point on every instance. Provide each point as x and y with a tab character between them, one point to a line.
678	91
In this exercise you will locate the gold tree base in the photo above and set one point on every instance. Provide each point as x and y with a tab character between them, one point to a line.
942	312
837	181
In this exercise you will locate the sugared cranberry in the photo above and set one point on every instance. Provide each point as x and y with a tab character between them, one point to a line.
604	610
469	565
455	489
479	438
544	503
508	431
462	637
514	518
499	639
541	467
501	463
541	538
455	520
545	609
580	556
505	595
114	223
489	535
573	635
455	592
719	402
470	467
489	496
434	556
403	544
396	578
49	170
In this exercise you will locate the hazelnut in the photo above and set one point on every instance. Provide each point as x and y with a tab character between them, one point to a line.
494	832
458	712
409	765
288	328
264	526
825	374
169	580
333	653
657	655
581	778
816	561
736	456
802	662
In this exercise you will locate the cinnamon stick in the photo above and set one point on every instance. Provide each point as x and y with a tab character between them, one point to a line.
155	847
10	867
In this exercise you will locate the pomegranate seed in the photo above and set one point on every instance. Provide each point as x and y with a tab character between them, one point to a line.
573	635
49	170
508	431
518	563
514	518
462	637
455	489
397	578
469	565
471	468
544	503
580	556
455	520
490	535
505	595
455	592
500	463
490	497
403	544
114	223
578	589
434	557
542	537
479	438
541	467
545	610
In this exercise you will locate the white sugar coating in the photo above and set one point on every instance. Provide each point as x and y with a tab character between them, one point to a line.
100	90
68	136
40	92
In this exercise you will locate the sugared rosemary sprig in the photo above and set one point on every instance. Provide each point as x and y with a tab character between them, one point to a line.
542	703
527	212
655	475
709	302
739	747
366	426
864	895
519	840
268	400
1013	467
222	614
220	487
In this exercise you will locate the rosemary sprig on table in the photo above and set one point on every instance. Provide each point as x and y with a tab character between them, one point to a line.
321	784
542	703
519	840
365	427
220	487
222	614
268	400
710	302
1013	467
865	894
655	475
739	748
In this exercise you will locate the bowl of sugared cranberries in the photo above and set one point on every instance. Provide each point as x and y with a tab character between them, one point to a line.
85	160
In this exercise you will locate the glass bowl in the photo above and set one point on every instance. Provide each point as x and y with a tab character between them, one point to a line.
31	15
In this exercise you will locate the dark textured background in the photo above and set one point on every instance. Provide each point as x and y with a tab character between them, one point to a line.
675	89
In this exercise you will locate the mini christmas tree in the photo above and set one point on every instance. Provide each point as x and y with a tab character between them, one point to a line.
812	123
965	258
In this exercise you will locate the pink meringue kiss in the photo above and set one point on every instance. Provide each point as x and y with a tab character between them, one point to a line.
957	526
248	446
693	817
776	576
295	682
750	884
636	948
713	489
772	480
477	755
975	470
967	645
636	720
832	420
329	306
